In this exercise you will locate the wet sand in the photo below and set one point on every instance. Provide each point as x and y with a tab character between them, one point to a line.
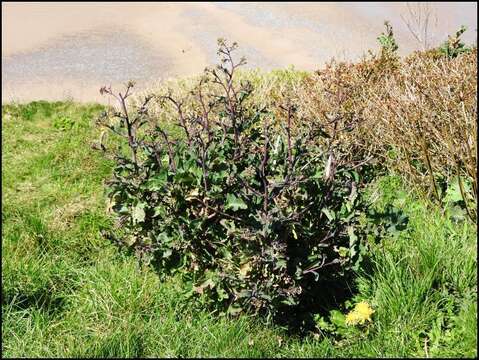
54	51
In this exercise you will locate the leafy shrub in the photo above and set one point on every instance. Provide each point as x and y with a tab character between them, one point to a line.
387	41
256	212
453	46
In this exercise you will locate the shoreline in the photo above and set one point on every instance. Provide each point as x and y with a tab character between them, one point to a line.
83	46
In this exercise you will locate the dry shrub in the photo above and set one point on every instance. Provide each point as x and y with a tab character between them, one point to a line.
428	115
418	115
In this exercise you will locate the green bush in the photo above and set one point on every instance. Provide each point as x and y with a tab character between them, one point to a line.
252	211
453	47
387	41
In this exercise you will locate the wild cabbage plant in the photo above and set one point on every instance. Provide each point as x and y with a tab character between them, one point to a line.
249	208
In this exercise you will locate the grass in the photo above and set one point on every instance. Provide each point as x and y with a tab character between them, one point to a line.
67	292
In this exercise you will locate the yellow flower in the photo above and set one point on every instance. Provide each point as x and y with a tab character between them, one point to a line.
360	314
352	318
364	310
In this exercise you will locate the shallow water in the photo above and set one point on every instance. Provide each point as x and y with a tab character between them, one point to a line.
57	50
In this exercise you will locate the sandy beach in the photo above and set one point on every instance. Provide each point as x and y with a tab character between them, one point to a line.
55	51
